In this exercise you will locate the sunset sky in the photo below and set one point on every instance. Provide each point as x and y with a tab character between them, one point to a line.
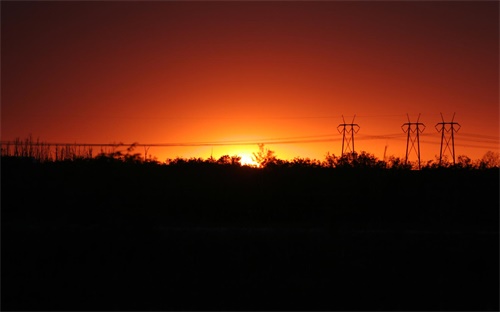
229	73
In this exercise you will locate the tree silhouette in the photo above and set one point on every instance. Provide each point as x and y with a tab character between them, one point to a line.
229	160
490	160
264	157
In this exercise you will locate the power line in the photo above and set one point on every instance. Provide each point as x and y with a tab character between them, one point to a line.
309	138
190	144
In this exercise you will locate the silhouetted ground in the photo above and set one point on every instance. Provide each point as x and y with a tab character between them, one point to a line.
116	236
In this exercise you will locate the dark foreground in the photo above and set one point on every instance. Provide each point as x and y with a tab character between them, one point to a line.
116	237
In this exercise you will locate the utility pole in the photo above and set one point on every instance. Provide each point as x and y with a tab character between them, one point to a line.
413	129
449	128
350	130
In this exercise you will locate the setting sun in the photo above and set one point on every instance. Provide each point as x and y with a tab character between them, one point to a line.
247	160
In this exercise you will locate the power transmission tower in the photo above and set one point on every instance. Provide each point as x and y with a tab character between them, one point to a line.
350	130
413	129
449	128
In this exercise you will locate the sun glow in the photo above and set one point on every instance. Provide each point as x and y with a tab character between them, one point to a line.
247	160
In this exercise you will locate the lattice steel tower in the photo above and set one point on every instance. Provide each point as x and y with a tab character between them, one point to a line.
413	129
348	131
448	128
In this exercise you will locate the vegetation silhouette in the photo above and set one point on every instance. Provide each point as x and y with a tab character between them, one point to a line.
118	231
42	152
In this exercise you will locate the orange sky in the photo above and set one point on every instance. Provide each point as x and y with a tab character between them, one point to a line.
183	72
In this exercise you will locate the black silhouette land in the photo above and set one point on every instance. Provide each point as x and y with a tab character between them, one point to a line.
115	232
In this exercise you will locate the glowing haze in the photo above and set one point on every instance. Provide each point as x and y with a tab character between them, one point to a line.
230	73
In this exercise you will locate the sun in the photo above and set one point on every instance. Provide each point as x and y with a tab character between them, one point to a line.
246	160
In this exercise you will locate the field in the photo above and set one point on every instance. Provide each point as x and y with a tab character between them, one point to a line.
109	235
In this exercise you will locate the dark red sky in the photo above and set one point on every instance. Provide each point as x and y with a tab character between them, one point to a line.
181	72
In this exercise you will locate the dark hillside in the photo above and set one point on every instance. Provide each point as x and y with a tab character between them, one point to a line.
110	235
